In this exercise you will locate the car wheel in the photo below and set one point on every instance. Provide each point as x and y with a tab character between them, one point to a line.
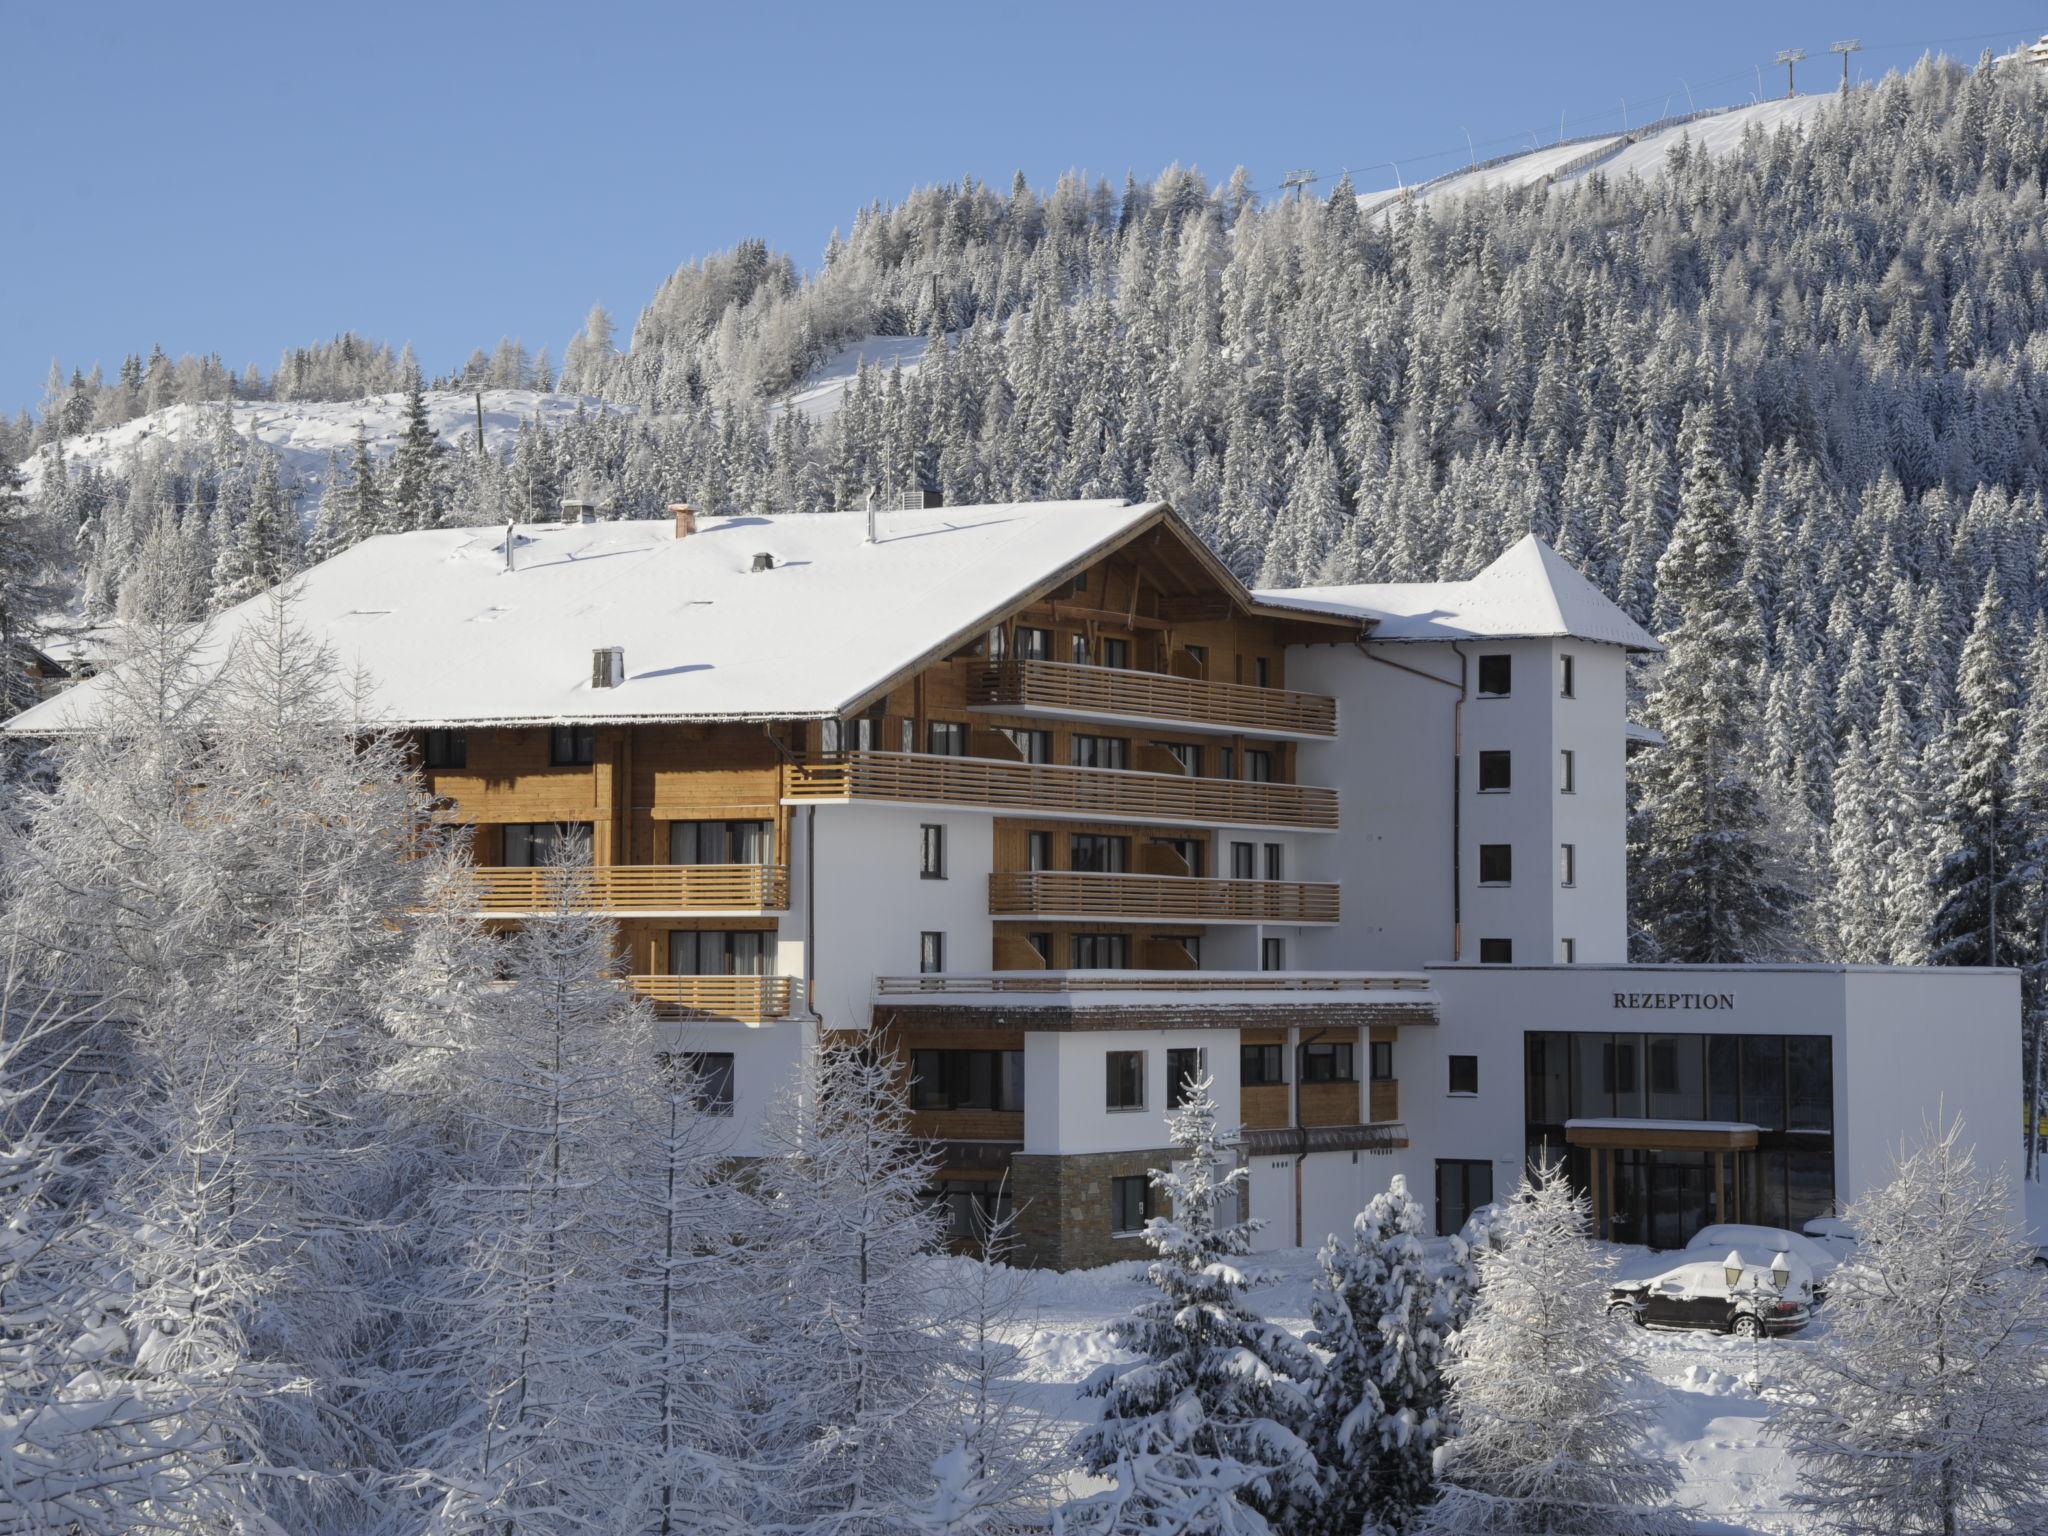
1747	1327
1622	1312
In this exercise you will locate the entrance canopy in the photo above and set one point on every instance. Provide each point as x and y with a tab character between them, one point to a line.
1662	1135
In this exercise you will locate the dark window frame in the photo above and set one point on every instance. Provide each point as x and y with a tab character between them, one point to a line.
1261	1065
1499	667
1499	859
1461	1069
931	952
1329	1061
572	746
1382	1061
444	749
931	850
1496	951
1179	1078
1123	1075
1129	1194
712	1073
1496	772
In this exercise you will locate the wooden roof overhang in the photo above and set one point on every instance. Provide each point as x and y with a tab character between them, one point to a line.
1661	1136
1193	585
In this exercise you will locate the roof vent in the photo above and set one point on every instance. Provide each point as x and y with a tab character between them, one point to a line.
608	666
576	509
918	500
763	561
685	516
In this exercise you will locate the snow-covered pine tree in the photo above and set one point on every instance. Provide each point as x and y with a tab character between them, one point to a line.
1310	526
1979	884
414	502
2030	797
1377	1312
365	509
857	1359
1549	1435
29	587
1202	1432
1923	1409
1701	876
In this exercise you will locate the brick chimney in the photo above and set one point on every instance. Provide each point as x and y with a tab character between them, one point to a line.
686	518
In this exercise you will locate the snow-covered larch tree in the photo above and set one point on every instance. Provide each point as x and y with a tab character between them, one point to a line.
1202	1432
1923	1410
1550	1436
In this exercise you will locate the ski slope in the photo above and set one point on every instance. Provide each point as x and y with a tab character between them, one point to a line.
303	433
1640	152
824	388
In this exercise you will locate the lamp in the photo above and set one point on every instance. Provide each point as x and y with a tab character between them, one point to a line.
1781	1271
1731	1268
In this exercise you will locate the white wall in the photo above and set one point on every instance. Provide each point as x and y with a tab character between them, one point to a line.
1066	1078
766	1061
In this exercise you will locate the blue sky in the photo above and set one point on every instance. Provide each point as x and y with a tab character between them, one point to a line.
242	178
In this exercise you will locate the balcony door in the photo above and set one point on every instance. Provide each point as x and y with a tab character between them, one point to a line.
719	951
533	844
721	842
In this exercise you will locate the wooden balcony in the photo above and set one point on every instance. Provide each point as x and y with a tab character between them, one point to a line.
1116	693
1048	789
732	999
638	888
1170	898
1026	983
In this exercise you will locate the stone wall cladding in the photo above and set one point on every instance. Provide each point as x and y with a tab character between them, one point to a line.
1062	1206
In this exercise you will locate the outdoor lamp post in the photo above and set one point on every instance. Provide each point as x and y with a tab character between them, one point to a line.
1781	1271
1731	1268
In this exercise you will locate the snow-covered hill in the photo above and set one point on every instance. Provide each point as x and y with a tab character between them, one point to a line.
1639	152
305	432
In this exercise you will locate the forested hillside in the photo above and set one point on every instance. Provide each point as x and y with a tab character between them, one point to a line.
1828	344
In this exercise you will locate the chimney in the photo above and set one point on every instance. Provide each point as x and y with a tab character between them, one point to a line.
871	516
685	516
509	536
764	561
607	666
576	510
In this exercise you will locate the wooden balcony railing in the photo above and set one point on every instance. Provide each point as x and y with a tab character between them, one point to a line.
740	999
1025	686
984	983
1173	898
639	888
1046	788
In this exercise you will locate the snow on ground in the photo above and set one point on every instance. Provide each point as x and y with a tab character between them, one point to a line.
1712	1394
825	386
1719	134
304	432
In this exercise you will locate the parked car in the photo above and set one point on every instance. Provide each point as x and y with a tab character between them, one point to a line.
1696	1294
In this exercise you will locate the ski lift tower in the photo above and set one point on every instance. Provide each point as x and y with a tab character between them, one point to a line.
1845	47
1295	181
1790	58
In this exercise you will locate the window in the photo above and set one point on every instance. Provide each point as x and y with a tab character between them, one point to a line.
1329	1061
1496	951
1262	672
906	735
1258	765
718	951
1272	954
1079	583
1567	773
1226	762
1461	1188
1464	1074
1099	951
445	749
831	735
533	844
1567	864
1041	944
1080	653
1259	1065
711	1080
1130	1204
1098	853
1243	861
1496	676
721	842
932	852
867	733
998	644
1034	644
967	1080
1038	850
1099	752
1567	676
1116	653
1032	746
1187	849
1493	773
1199	655
1183	1071
1382	1061
1191	942
1276	855
1187	755
931	953
572	746
1126	1080
1496	863
972	1207
946	738
1567	951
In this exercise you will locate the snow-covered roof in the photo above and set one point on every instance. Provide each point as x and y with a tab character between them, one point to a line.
448	636
1531	592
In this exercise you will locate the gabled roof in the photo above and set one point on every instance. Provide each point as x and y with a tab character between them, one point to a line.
1529	593
448	636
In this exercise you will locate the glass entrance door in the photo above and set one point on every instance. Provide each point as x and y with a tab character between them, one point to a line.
1681	1197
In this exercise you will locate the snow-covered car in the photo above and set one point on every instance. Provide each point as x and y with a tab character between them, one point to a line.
1697	1294
1809	1261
